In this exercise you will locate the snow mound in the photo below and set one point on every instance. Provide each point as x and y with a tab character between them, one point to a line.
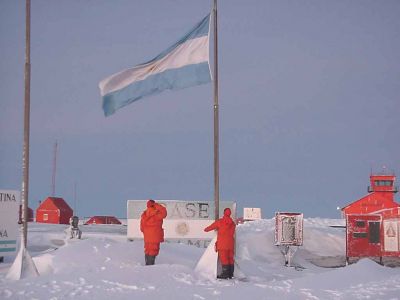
105	265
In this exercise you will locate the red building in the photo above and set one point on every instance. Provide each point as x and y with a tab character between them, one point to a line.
103	220
54	210
373	222
380	197
30	214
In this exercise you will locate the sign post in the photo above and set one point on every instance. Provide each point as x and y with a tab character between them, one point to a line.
288	234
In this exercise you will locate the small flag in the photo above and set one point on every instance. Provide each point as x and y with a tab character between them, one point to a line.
184	64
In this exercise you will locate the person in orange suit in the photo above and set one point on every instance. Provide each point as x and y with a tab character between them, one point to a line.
225	244
151	223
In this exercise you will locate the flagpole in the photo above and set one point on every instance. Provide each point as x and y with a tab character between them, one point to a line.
25	155
23	265
216	115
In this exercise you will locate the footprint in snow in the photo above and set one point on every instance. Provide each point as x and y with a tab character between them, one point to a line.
6	293
185	278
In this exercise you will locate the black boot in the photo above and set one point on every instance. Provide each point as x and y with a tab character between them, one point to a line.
231	271
146	259
225	272
152	259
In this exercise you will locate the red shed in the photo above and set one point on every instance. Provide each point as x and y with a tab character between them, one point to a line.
373	222
103	220
380	197
54	210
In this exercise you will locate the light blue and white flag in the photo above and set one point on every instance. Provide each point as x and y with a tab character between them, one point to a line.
184	64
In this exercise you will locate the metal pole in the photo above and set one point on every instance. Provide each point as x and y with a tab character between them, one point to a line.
25	155
53	177
216	115
75	210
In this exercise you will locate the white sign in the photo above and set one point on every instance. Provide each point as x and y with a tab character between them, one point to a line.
251	213
289	229
9	205
391	235
185	220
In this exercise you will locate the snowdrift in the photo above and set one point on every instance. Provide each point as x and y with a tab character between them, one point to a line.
104	264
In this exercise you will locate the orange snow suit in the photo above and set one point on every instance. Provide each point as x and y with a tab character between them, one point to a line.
151	225
225	237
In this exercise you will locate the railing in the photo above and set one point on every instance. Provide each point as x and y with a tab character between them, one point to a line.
393	189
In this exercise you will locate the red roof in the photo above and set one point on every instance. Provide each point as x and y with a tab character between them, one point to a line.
375	201
103	220
55	203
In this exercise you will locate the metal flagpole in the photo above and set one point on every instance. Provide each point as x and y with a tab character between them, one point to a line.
216	115
23	265
25	158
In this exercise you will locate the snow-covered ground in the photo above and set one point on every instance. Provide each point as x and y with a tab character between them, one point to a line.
104	265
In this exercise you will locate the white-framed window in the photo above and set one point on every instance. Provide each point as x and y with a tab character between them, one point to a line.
45	217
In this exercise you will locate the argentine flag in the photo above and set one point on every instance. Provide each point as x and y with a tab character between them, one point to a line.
184	64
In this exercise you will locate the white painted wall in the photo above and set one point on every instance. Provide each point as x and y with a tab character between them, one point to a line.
9	206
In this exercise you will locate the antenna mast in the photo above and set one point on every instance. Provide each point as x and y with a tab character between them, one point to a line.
53	178
74	191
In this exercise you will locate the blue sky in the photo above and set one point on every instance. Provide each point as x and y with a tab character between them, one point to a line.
309	103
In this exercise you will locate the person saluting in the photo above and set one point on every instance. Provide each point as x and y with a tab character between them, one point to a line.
151	223
225	244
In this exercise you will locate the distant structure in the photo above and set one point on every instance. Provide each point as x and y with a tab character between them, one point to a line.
380	197
54	210
251	213
103	220
30	214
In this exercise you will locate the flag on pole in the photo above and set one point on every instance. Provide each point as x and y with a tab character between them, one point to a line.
184	64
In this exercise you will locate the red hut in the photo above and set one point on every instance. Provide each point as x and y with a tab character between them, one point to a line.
373	222
53	210
103	220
